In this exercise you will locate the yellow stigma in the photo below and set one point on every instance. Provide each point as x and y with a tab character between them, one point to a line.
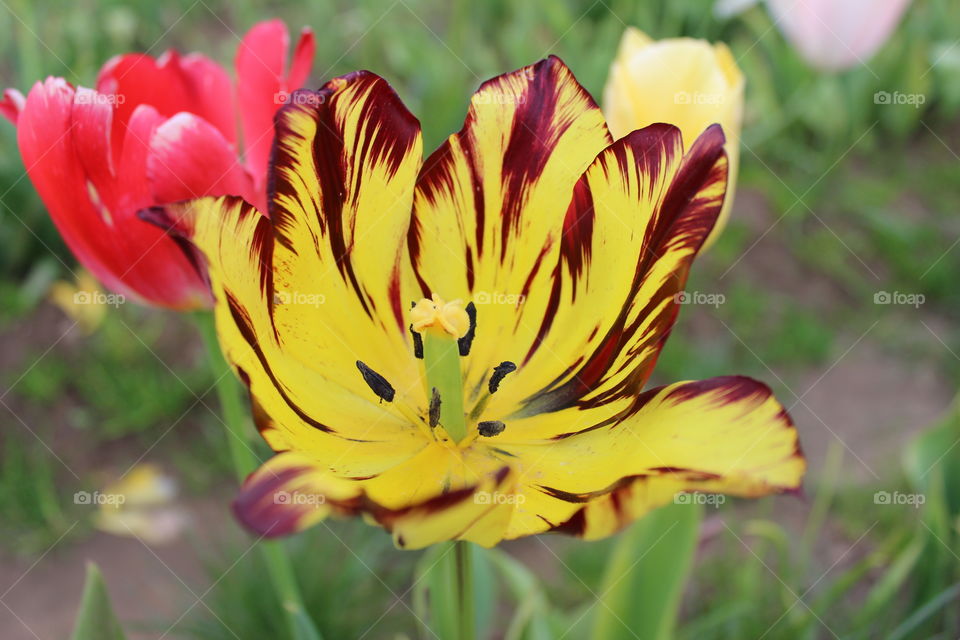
441	317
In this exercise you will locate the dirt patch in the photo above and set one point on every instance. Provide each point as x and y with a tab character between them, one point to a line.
150	587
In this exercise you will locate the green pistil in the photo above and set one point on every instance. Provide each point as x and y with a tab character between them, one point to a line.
441	357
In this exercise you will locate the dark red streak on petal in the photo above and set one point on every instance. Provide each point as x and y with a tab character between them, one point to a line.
242	321
257	508
388	133
725	389
680	222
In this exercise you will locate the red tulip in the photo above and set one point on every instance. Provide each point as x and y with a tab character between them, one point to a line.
154	131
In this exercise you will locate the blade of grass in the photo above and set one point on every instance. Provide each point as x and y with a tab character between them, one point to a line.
925	612
646	573
96	620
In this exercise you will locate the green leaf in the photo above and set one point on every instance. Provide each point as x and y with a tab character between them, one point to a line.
302	625
530	620
925	612
884	594
646	574
484	590
96	620
434	598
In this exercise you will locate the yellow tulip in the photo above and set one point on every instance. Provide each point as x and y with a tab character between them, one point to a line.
82	300
142	505
685	82
458	347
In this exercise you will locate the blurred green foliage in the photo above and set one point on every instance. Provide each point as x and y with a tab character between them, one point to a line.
352	579
115	403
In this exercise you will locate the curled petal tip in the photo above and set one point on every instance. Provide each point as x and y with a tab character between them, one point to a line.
12	104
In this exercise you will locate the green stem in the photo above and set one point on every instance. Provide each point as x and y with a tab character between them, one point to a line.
244	461
441	358
234	413
465	600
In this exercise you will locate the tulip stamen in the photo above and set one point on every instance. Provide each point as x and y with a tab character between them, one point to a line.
466	341
499	373
434	408
417	343
377	383
490	428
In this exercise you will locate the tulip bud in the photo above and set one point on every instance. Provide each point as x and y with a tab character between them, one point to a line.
681	81
833	35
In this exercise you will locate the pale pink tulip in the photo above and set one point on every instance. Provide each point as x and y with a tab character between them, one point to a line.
837	34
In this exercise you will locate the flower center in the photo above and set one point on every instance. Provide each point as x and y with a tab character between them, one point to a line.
443	333
443	325
446	319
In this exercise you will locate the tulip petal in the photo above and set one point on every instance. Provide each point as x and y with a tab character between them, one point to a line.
65	142
320	408
642	212
345	163
315	289
177	172
170	84
726	435
292	492
11	104
490	202
480	513
263	84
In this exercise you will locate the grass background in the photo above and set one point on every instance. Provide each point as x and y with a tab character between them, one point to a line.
839	198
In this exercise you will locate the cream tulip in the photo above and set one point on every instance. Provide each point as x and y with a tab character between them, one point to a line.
681	81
